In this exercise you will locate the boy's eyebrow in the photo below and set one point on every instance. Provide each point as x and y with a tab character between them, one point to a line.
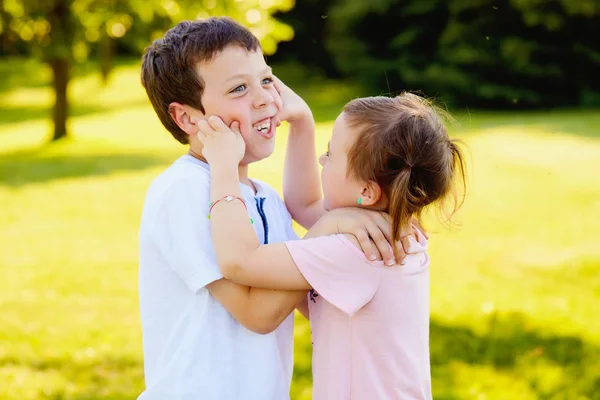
328	149
267	70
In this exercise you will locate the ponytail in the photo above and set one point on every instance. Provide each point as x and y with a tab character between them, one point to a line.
406	199
404	146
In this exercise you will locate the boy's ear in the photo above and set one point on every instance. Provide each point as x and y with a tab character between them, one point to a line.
370	194
184	116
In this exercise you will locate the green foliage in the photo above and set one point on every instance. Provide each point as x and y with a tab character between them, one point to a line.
484	53
63	31
514	291
135	22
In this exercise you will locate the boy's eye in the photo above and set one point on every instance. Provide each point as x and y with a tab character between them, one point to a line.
267	81
238	89
327	153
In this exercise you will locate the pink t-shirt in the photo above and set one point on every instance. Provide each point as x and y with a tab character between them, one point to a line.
370	323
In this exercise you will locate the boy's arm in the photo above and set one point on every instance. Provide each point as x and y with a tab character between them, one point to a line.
302	307
301	182
259	310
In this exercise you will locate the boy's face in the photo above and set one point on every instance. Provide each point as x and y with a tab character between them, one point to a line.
239	87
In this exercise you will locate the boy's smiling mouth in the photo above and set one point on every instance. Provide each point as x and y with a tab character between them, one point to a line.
264	128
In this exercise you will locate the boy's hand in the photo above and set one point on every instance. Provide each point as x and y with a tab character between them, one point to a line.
294	108
221	144
372	229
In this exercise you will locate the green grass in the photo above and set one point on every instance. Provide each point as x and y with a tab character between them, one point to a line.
514	295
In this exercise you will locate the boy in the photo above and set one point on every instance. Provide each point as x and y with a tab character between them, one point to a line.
206	337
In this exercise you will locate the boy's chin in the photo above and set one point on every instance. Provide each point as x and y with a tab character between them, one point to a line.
257	156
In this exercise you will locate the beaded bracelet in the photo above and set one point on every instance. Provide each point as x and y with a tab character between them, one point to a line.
227	199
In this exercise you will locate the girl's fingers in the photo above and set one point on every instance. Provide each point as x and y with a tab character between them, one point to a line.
277	83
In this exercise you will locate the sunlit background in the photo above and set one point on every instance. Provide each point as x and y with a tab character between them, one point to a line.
515	287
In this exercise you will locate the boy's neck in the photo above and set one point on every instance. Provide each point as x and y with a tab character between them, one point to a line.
242	170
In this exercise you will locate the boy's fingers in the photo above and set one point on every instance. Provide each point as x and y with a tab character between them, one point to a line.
401	251
416	224
235	127
203	129
384	223
382	244
367	245
217	123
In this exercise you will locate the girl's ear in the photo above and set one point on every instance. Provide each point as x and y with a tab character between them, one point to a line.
185	117
370	194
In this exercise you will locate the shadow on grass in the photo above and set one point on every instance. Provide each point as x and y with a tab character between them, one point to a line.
10	115
508	343
506	340
19	72
19	169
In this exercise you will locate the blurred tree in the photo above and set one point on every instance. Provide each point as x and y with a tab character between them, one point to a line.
518	53
61	32
484	53
309	19
385	43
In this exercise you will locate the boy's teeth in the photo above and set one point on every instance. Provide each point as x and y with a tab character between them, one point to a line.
263	125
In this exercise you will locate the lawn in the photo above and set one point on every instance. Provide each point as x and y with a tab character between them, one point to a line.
515	289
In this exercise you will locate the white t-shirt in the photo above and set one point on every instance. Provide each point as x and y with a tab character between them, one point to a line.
193	348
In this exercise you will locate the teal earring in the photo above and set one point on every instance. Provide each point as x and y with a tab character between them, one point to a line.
359	201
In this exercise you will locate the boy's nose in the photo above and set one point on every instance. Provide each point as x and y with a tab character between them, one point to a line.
322	160
263	98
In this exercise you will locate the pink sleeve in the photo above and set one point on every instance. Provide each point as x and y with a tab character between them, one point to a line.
338	272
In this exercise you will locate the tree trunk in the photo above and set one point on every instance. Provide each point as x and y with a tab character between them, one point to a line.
59	57
107	53
60	71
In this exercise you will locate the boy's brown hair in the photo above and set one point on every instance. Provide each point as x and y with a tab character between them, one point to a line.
169	64
403	145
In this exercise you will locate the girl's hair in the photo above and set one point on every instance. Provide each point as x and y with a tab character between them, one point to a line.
403	145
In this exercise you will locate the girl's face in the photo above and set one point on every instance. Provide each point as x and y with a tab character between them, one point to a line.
338	189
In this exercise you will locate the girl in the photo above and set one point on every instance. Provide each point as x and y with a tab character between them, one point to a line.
370	323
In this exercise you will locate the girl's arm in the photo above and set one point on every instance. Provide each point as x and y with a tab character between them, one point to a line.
301	181
239	254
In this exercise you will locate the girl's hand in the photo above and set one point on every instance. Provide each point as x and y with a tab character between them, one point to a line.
222	144
293	108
